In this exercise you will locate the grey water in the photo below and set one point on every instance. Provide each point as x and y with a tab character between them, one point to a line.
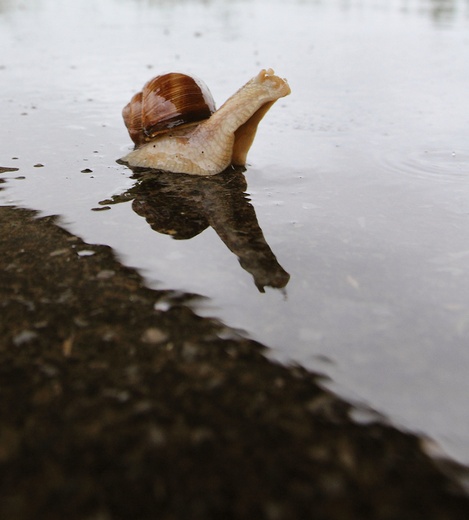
359	180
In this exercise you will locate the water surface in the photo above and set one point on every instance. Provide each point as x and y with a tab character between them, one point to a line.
359	181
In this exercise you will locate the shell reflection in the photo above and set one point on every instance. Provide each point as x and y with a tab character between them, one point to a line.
183	206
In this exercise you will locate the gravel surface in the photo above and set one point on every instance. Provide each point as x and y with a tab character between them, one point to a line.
119	402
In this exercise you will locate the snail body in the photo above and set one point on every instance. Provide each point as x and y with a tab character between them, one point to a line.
175	127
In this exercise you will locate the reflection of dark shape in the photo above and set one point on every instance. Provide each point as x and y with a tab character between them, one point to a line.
442	10
5	169
183	206
169	208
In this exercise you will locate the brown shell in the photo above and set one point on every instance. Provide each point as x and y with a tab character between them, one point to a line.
166	102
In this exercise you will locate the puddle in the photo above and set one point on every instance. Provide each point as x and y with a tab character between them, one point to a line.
111	374
444	165
357	184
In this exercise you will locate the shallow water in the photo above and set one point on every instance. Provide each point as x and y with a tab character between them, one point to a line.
359	179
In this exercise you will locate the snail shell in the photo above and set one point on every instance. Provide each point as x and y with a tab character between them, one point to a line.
175	127
166	102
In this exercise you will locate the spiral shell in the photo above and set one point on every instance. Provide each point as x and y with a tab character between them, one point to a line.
166	102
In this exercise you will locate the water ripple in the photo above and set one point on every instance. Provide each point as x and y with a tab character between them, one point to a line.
444	165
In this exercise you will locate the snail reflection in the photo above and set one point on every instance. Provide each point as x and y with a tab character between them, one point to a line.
183	142
183	206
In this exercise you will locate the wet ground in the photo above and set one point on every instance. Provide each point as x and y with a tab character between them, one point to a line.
118	401
342	248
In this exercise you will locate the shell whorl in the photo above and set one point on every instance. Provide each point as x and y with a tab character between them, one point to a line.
166	102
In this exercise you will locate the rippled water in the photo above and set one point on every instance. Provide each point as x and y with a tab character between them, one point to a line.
359	181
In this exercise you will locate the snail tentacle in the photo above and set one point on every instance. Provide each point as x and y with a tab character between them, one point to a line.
209	146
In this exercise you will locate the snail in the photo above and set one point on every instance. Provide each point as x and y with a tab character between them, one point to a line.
175	127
